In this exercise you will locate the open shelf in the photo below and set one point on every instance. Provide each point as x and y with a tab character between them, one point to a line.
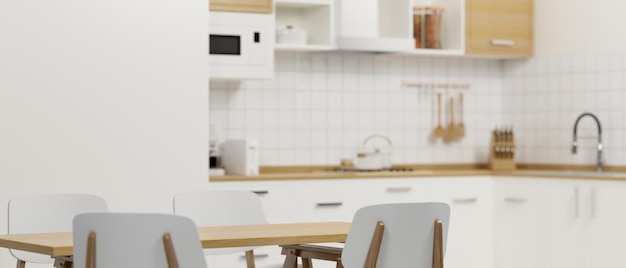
316	17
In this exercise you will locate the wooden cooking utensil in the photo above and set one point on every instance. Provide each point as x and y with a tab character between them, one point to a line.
451	129
461	127
439	131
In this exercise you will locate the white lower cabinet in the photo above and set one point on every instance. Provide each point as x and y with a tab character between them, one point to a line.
516	204
563	229
582	223
499	222
470	236
470	242
607	224
546	223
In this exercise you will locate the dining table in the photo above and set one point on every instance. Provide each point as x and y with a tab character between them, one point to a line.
59	246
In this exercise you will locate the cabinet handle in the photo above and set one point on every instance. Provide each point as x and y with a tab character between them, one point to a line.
502	43
257	256
332	204
576	203
592	205
261	192
399	189
514	200
464	200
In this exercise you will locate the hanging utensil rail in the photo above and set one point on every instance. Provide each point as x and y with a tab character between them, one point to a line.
437	85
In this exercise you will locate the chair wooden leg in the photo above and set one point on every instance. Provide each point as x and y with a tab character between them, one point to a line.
91	250
21	264
377	239
170	254
438	245
250	258
339	264
307	263
291	259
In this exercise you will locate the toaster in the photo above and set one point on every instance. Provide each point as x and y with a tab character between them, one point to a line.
241	157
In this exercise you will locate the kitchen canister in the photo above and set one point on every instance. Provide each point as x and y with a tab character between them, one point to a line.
427	26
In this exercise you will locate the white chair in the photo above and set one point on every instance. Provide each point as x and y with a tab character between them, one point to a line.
222	208
45	213
388	235
130	240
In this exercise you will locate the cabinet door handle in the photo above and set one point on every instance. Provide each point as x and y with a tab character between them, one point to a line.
257	256
514	200
576	203
592	205
399	189
262	192
331	204
464	200
502	43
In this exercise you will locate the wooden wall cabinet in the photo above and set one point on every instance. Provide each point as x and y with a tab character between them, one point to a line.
255	6
499	28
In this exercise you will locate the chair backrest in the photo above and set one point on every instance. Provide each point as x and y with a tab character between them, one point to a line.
45	213
221	208
126	240
408	234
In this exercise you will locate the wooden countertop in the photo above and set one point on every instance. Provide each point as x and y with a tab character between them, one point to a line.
538	171
316	175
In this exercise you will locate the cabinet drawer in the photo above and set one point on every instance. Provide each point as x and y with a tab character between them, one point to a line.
276	199
265	257
329	201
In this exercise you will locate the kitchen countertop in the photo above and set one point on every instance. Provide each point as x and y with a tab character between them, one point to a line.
565	172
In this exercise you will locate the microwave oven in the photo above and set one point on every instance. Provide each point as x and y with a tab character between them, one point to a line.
241	45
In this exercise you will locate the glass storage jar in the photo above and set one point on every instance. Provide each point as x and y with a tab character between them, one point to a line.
427	26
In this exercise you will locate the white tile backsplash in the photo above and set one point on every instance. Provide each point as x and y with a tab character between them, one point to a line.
321	106
544	118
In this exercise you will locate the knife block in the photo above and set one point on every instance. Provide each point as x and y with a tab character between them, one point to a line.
502	151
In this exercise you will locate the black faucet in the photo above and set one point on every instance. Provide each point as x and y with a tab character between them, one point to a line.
600	146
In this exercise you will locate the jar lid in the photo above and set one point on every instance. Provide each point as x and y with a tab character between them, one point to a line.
435	8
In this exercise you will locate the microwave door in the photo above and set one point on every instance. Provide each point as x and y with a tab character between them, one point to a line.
227	45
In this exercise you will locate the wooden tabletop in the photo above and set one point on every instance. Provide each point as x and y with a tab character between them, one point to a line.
60	244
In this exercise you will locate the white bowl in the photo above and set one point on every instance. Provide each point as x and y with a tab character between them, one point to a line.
291	36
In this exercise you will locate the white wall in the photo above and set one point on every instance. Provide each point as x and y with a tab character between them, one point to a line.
578	26
106	97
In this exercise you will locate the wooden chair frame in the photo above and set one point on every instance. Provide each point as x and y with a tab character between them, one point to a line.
170	253
309	252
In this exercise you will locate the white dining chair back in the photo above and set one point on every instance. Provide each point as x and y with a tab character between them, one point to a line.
221	208
46	213
130	240
407	240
